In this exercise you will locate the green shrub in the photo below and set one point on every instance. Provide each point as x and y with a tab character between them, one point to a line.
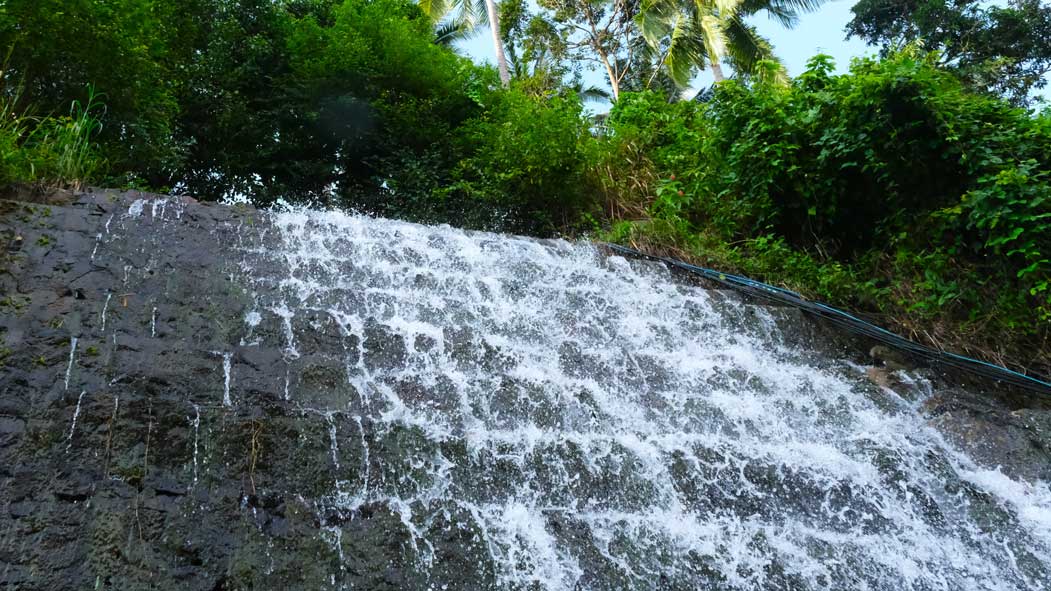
525	164
890	189
1010	213
123	48
50	151
13	163
844	161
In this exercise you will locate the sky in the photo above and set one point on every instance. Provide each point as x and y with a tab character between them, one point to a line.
822	31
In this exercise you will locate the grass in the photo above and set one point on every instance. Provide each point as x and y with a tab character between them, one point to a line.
49	152
951	309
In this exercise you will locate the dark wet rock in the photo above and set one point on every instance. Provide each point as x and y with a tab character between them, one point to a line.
158	484
11	429
126	468
1018	442
383	348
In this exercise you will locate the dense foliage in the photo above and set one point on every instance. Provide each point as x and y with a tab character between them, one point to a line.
891	189
347	102
902	189
1001	49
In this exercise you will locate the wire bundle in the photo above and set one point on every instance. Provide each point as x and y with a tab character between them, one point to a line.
848	322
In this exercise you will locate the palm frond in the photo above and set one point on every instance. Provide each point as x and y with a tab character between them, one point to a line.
713	32
799	6
448	33
724	9
476	11
692	33
436	10
593	93
784	12
686	51
753	54
471	12
655	20
786	17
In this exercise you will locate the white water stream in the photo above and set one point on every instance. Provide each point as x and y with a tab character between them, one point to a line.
594	423
604	426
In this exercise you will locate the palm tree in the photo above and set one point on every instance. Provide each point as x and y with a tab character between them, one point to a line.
692	34
448	33
466	16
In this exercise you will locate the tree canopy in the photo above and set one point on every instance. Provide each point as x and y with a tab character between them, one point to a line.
1004	50
915	187
297	99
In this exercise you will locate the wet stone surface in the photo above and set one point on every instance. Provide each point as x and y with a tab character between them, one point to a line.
208	397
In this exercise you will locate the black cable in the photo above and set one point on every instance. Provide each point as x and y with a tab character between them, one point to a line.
847	321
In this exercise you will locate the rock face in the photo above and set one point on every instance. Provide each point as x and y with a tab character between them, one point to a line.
205	397
121	466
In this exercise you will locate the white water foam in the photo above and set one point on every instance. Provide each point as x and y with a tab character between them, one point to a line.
227	362
73	423
69	365
102	315
600	425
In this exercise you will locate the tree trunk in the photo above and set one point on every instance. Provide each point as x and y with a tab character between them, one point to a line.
613	82
596	44
501	59
717	71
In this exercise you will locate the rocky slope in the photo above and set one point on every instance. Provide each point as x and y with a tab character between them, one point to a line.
158	432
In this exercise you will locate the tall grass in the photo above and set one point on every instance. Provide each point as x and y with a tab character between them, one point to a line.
49	151
12	130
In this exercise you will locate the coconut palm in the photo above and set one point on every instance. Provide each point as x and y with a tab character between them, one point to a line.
448	33
693	34
454	17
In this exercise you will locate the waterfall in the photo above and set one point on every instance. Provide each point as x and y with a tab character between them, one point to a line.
332	401
596	423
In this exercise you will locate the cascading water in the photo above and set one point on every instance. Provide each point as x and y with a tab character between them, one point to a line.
596	424
207	397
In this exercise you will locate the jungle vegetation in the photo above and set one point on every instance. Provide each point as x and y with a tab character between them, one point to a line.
914	189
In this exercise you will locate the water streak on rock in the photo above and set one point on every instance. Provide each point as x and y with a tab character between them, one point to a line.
73	424
69	366
105	306
196	424
227	362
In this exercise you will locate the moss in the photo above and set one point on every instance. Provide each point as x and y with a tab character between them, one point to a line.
44	240
40	361
106	549
92	351
14	303
259	560
131	473
42	435
7	207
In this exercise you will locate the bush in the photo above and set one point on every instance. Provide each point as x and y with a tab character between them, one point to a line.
890	189
1010	214
124	49
49	151
525	167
